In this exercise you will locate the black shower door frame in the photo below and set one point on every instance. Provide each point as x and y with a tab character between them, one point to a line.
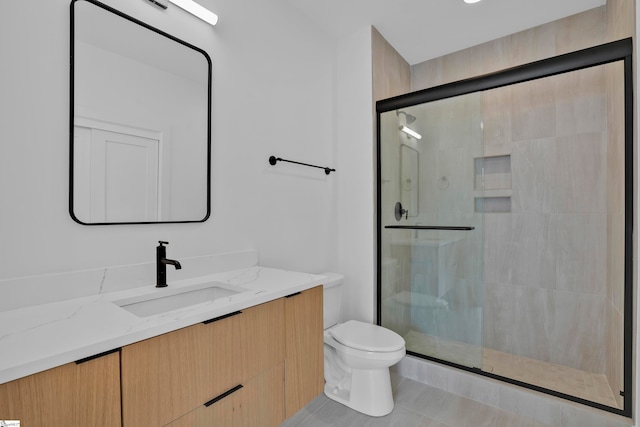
620	50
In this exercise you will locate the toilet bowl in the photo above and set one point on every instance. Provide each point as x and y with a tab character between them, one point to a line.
357	357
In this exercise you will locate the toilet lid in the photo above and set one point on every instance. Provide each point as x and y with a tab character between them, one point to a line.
364	336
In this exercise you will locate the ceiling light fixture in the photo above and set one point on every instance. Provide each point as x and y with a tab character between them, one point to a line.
197	10
410	132
471	1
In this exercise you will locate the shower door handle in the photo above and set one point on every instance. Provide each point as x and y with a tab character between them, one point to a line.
432	227
399	212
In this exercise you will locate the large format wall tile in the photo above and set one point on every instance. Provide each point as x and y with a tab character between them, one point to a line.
533	171
533	109
580	253
545	324
581	101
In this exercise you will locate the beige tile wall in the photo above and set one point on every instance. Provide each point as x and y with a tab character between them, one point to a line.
560	125
391	77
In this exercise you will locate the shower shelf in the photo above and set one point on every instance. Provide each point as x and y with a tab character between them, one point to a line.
493	184
502	192
430	227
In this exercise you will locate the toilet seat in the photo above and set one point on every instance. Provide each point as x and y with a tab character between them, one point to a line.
366	337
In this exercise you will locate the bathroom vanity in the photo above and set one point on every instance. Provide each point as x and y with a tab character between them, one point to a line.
250	359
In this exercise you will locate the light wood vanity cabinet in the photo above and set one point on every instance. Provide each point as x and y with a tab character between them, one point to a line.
252	368
258	403
304	348
75	394
166	377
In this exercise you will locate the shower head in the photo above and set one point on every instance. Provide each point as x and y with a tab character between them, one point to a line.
408	117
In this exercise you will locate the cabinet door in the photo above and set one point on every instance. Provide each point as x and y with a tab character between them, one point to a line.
167	376
76	394
256	403
304	354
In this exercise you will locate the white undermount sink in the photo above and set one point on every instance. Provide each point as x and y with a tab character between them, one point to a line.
168	299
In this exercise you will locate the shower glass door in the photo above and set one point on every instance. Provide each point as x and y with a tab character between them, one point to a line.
431	204
505	224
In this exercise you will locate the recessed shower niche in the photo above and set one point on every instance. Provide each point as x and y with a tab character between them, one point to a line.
492	185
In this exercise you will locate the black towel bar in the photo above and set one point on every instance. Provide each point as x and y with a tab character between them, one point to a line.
273	160
430	227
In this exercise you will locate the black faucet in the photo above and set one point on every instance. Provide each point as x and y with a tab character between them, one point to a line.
161	265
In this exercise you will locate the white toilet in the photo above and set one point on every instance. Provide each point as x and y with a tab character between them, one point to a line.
357	357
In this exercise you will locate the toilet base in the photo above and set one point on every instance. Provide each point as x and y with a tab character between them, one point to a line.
370	392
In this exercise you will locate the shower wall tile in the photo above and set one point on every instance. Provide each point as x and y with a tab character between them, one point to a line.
533	109
615	260
498	314
527	256
493	56
580	343
392	74
575	32
546	324
581	101
580	255
620	19
458	165
523	319
615	351
615	219
496	117
533	170
533	44
460	65
496	229
616	138
426	74
581	30
580	178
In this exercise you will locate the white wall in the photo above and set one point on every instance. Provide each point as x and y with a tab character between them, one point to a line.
357	177
272	94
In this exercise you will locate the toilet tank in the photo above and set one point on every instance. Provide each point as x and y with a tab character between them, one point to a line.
332	297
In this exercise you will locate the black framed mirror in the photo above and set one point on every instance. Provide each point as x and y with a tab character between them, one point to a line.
140	122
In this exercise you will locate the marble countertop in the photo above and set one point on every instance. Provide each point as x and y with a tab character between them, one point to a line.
40	337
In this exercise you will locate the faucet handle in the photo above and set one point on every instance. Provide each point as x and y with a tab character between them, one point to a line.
162	242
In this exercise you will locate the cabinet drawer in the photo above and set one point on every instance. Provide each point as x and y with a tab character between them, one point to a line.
256	403
75	394
167	376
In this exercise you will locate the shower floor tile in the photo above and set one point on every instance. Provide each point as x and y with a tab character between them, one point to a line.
582	384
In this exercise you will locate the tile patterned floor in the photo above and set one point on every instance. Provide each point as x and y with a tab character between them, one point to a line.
586	385
417	405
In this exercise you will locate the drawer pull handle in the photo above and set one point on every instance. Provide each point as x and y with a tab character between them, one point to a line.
293	295
223	395
96	356
215	319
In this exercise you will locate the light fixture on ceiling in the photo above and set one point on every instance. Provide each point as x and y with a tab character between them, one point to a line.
410	132
192	7
197	10
471	1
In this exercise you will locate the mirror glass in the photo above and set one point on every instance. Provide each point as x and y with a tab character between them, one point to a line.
140	121
409	179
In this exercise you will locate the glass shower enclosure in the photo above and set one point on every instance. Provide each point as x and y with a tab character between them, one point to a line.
432	235
505	224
